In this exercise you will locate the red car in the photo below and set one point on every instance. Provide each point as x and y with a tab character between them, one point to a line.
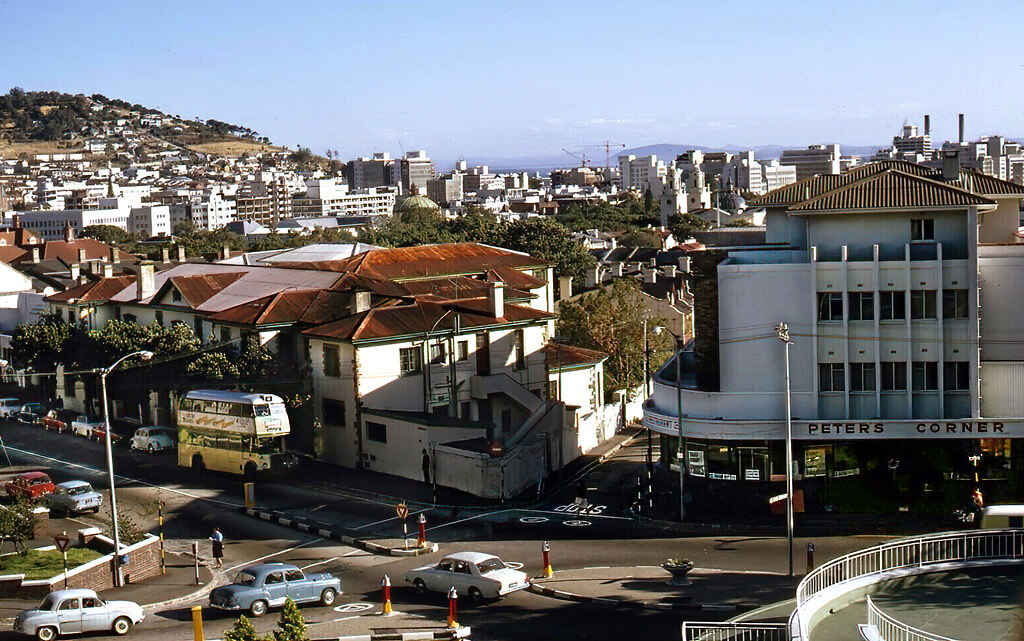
99	433
29	485
54	420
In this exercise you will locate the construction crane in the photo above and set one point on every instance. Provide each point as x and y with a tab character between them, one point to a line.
582	157
607	145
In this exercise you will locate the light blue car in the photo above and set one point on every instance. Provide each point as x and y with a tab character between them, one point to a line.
259	587
74	497
76	611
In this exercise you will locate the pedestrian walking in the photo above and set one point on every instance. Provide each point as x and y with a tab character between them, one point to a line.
426	467
217	543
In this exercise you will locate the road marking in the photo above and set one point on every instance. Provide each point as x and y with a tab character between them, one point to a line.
576	523
355	552
533	519
515	565
345	618
390	518
468	518
267	556
333	558
598	567
354	607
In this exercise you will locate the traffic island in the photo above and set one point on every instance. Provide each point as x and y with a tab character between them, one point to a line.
374	545
712	593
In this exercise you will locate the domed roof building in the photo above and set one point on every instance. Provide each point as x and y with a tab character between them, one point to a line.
416	208
732	202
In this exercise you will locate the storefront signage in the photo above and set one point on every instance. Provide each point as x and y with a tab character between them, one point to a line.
909	429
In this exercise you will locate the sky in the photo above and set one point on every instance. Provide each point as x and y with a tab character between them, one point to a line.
491	79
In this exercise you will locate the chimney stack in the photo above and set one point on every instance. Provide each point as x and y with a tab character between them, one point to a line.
74	271
165	254
115	255
69	233
81	256
181	253
108	270
16	221
146	285
961	129
225	252
927	125
496	298
35	253
951	165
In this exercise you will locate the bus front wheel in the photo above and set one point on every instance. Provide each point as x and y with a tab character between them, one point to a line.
250	472
197	463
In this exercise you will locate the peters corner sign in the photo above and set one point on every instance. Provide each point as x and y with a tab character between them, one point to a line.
837	430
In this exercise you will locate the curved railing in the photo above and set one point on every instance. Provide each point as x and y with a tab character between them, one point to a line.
887	628
904	556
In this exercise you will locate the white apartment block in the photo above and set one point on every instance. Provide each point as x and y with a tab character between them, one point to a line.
331	197
210	213
812	161
151	220
641	173
744	173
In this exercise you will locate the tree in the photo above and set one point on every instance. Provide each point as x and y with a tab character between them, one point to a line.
242	630
40	346
291	626
640	238
108	234
684	226
211	366
18	524
546	239
612	320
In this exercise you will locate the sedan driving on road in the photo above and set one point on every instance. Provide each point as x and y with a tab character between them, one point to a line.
152	438
77	611
30	413
29	485
258	587
74	497
474	574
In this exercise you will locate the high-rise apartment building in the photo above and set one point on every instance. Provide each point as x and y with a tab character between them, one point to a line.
378	170
416	169
812	161
641	173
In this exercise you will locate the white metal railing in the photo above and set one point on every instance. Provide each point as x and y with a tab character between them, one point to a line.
709	631
889	629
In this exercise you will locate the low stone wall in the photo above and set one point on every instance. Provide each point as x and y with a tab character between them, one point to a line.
143	561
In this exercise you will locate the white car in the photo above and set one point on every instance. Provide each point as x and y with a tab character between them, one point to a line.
9	406
152	438
474	574
83	426
76	611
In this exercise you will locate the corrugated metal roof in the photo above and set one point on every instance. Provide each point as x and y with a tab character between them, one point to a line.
283	307
94	291
426	261
891	189
200	288
557	355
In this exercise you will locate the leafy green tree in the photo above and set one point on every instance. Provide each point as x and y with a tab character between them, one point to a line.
546	239
641	238
108	234
212	366
612	320
40	346
242	630
18	524
291	626
684	226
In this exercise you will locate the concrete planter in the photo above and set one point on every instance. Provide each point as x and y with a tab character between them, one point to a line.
678	568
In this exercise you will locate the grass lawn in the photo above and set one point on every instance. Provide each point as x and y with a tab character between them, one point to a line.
43	565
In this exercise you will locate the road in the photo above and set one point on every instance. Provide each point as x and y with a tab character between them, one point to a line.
195	505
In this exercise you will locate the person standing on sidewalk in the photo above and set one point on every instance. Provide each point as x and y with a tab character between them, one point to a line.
217	543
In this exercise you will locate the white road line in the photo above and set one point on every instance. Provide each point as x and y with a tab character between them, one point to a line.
333	558
267	556
345	618
469	518
598	567
355	552
392	518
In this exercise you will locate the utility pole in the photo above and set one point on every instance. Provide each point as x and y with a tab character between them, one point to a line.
782	329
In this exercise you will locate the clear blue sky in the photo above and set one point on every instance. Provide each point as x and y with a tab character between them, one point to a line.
508	79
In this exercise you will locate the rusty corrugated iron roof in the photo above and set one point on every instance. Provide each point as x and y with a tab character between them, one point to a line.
282	307
198	289
426	261
891	189
557	355
96	291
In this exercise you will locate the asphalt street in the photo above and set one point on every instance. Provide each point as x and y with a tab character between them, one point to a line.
604	537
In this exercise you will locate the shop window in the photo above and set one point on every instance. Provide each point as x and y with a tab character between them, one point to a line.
334	412
410	360
332	361
830	306
925	377
816	461
862	306
830	377
377	432
922	229
922	304
894	376
956	376
954	303
722	463
695	464
862	377
463	350
891	306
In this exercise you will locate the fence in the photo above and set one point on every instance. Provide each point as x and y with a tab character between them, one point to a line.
699	631
887	628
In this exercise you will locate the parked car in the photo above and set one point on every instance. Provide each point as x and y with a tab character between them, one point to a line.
259	587
474	574
8	406
30	413
99	432
76	611
153	438
74	497
82	425
59	420
29	485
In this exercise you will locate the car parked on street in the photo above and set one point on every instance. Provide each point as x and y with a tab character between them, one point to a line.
474	574
59	420
76	611
29	485
74	497
99	432
82	425
8	406
153	438
259	587
30	413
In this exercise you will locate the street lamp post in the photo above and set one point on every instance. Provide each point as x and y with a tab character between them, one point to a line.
783	332
647	393
144	355
680	450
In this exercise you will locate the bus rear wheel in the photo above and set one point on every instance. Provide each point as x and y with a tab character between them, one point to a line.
197	463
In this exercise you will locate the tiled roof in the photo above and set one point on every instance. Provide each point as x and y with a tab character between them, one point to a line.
94	291
561	356
419	317
985	185
425	261
11	254
891	189
67	252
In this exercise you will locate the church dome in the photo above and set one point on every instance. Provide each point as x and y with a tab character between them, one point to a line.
732	202
415	208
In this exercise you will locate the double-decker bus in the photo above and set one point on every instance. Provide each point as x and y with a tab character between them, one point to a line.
235	432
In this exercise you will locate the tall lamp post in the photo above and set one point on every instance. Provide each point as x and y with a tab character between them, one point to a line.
647	393
680	450
144	355
782	329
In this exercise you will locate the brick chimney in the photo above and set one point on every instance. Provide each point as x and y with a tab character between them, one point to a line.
146	285
165	254
181	253
69	233
35	253
115	255
108	270
81	256
496	298
74	271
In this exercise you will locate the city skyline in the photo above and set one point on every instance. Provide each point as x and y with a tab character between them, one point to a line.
528	79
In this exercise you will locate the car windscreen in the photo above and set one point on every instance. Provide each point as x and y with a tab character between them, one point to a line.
490	565
49	603
245	578
261	410
79	489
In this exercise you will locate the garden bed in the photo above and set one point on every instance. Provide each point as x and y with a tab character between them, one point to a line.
45	563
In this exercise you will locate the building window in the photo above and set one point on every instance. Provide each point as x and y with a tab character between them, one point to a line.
954	303
956	376
830	306
891	306
922	229
830	377
520	349
334	412
922	304
332	361
862	306
925	376
225	334
465	408
376	432
894	377
160	317
411	360
463	347
175	296
437	353
862	377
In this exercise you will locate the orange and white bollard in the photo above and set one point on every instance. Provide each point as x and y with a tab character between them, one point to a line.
453	608
546	549
385	584
422	542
